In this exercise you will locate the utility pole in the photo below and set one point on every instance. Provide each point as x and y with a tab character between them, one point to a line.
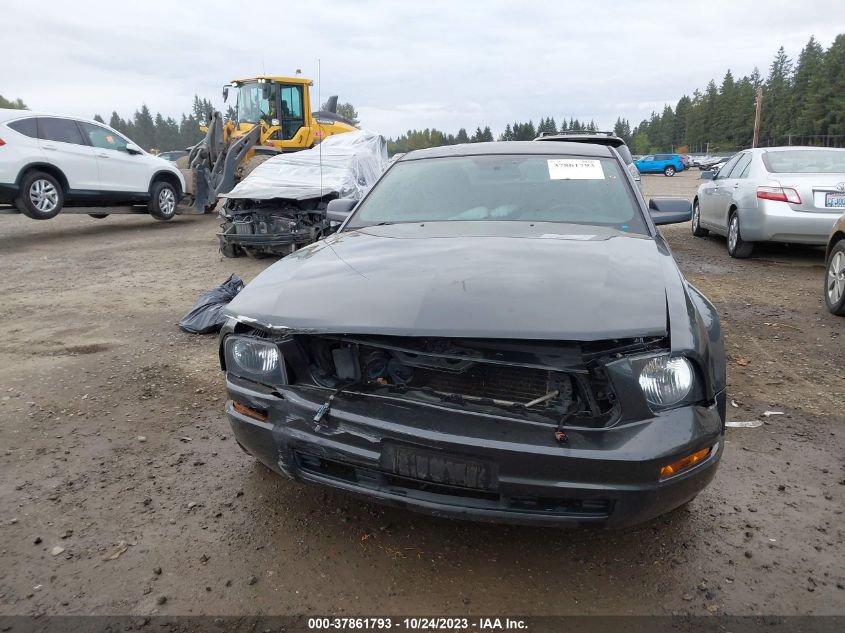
757	111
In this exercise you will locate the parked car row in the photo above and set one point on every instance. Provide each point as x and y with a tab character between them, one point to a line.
49	162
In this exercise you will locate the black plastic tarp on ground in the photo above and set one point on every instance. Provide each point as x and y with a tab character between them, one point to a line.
207	314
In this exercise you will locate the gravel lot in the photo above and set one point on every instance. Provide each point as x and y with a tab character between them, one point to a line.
121	480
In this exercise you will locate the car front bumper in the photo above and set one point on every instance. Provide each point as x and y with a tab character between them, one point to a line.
774	221
607	477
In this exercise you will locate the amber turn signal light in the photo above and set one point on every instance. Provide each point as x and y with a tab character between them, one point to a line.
682	464
249	412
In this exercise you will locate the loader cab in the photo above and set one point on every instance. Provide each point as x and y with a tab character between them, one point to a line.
277	103
290	110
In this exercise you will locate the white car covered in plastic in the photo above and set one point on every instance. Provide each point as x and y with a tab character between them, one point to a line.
280	206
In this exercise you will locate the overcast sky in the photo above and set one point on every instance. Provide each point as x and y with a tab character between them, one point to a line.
402	64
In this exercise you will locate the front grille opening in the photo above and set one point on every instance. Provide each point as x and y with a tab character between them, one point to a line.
491	382
598	507
328	467
409	487
468	376
402	484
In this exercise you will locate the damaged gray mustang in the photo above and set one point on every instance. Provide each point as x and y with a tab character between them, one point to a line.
497	332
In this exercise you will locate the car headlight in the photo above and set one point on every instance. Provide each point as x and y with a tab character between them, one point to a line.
666	380
255	359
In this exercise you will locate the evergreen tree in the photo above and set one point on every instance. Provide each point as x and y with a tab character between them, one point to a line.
824	109
741	119
116	122
777	102
622	129
809	66
347	111
144	128
17	104
679	125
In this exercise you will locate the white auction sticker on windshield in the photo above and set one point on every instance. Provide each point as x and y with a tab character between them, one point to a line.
575	169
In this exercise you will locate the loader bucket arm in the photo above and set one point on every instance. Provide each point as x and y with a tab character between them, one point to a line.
213	164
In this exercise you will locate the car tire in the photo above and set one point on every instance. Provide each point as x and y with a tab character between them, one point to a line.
247	167
163	200
41	196
736	246
256	254
697	231
229	250
99	216
669	170
834	280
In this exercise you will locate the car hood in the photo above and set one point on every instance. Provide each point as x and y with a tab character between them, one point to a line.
466	279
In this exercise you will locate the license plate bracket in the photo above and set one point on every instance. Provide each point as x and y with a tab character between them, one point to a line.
425	464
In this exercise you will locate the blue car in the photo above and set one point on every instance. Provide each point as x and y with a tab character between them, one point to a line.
667	164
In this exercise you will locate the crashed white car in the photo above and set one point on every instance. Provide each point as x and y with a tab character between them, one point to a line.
281	205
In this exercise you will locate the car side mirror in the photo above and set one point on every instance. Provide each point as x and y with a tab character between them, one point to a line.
339	209
670	210
708	175
133	149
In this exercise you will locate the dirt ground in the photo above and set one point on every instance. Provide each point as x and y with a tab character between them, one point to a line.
112	438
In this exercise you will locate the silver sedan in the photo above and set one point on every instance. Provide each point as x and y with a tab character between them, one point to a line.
776	194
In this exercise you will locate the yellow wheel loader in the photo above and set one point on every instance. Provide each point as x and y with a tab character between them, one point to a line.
273	115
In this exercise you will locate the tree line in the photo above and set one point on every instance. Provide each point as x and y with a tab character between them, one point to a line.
163	133
17	104
432	137
803	103
148	131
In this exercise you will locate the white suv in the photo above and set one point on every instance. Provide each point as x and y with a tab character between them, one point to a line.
48	162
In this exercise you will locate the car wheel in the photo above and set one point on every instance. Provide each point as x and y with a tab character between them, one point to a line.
99	216
834	284
697	231
41	196
229	250
256	254
736	246
669	171
162	205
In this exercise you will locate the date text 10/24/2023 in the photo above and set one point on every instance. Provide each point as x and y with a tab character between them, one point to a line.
416	624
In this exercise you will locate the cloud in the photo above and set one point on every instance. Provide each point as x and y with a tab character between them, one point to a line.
403	65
